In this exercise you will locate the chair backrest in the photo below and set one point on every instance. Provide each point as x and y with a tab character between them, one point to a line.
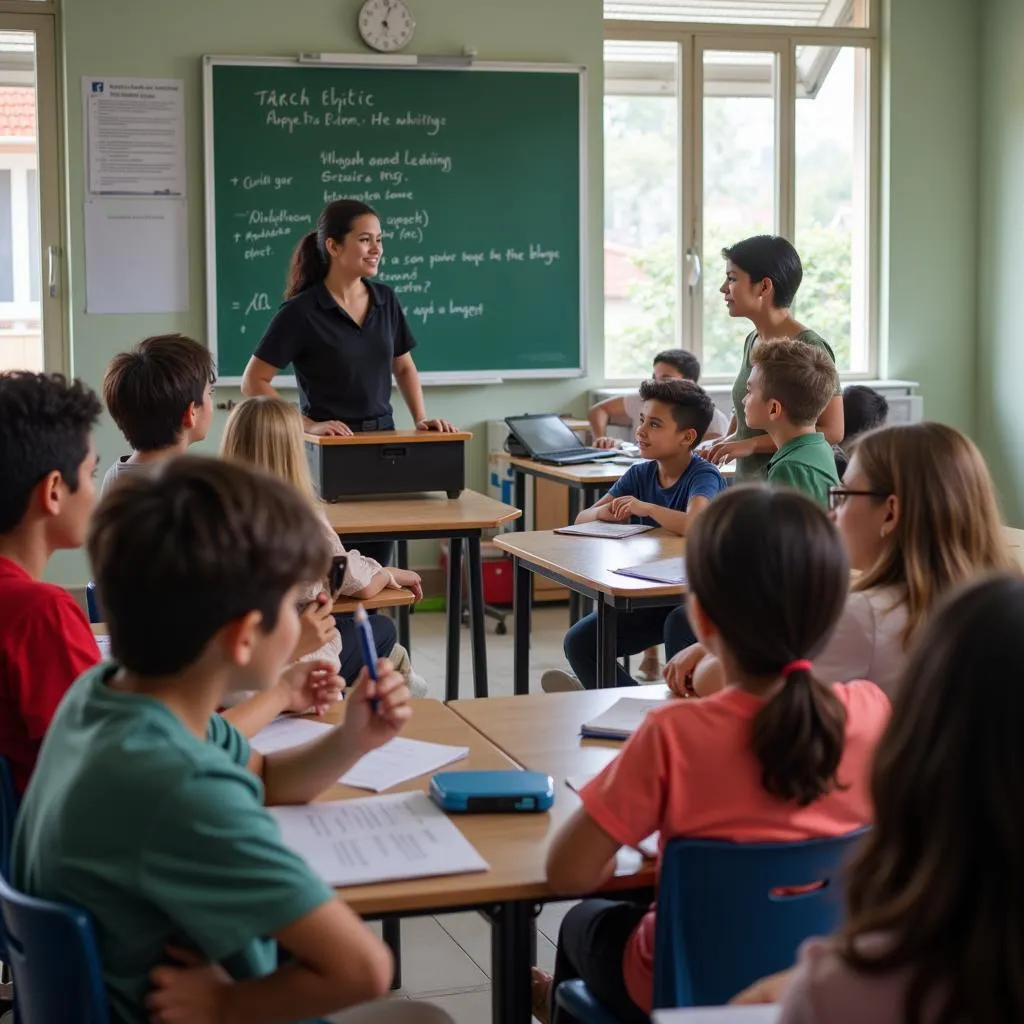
51	951
728	913
8	812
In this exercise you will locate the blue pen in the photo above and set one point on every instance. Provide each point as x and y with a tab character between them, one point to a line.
369	647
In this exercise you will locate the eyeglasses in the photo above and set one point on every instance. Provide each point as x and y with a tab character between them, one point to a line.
837	496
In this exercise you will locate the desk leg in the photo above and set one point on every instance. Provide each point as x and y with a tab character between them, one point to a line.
574	599
477	622
521	600
391	928
454	614
591	495
607	628
404	632
519	498
513	953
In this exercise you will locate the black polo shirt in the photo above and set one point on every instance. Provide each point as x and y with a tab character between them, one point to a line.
343	370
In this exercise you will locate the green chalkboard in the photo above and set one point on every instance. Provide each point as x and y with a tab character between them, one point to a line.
476	175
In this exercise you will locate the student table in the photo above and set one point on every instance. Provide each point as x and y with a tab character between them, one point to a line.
515	847
585	565
431	516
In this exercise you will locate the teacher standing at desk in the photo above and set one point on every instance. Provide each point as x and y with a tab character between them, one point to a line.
344	334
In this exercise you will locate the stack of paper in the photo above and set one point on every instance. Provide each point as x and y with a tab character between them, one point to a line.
622	719
103	643
397	761
602	529
665	570
377	839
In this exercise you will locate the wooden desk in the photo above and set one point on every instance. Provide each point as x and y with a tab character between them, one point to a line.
386	436
586	480
585	564
389	597
515	847
406	517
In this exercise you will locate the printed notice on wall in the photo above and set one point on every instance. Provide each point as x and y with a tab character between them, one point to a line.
135	136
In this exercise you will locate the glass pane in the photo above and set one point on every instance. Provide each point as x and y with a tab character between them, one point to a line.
641	140
739	183
21	339
808	13
832	174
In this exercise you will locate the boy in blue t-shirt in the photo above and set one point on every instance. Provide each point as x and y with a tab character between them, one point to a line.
670	489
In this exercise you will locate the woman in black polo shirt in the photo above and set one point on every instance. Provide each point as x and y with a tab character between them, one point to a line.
344	334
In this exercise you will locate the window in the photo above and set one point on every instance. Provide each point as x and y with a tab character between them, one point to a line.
715	131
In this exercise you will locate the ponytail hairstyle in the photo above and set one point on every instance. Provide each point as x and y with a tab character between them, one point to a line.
939	874
769	570
311	261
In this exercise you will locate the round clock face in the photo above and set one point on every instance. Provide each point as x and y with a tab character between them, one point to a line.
386	25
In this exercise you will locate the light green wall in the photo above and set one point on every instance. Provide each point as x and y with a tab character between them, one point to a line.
931	113
1001	262
129	37
930	232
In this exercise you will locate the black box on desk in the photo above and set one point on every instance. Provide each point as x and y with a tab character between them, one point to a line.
387	462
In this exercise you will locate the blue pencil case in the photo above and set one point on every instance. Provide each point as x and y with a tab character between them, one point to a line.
494	792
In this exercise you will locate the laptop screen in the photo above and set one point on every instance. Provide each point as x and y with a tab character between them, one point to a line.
543	434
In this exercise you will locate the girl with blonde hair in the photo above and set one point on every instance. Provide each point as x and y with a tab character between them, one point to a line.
918	513
268	433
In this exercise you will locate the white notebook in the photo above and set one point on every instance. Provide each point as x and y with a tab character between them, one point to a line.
395	762
377	839
622	719
665	570
762	1014
600	529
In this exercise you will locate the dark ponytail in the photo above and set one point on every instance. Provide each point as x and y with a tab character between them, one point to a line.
769	570
310	260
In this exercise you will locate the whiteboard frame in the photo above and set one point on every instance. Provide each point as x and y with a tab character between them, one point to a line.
421	63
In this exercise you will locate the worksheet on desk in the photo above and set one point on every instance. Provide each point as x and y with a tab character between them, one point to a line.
377	839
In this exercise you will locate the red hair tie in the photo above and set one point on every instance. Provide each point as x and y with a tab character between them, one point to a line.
802	665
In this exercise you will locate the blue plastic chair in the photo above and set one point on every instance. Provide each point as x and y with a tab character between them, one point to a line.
53	958
723	923
8	812
92	602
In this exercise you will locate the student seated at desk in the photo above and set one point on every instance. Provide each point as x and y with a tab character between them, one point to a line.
146	808
918	515
672	364
864	409
48	465
933	930
790	383
776	756
267	433
670	489
160	395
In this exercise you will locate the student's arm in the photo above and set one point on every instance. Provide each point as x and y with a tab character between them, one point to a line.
605	412
832	422
301	774
306	686
672	519
336	962
728	448
600	511
407	377
623	805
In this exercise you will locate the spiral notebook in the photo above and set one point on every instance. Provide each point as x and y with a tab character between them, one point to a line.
622	719
665	570
602	529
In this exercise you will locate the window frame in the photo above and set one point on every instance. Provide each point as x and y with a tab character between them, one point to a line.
692	40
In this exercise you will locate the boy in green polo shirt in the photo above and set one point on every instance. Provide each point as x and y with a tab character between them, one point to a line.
790	384
146	807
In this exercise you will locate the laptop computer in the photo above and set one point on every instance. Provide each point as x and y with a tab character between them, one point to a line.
547	438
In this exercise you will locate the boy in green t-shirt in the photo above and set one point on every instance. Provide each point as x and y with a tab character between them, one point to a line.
790	384
146	807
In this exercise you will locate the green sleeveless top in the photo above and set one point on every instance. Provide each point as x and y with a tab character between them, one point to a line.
756	466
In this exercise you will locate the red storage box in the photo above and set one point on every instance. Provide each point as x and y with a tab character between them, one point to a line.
497	573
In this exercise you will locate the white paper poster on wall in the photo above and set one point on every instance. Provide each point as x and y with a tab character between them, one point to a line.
134	136
136	256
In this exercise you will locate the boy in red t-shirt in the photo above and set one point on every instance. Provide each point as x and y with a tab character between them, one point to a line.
48	466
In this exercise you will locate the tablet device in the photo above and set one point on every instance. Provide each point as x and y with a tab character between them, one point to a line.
494	792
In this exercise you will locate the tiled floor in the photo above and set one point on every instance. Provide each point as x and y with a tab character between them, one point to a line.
447	959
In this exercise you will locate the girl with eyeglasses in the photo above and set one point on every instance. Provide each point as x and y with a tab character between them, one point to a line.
918	514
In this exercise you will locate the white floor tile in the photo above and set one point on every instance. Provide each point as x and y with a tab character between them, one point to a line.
466	1007
473	933
550	919
432	961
